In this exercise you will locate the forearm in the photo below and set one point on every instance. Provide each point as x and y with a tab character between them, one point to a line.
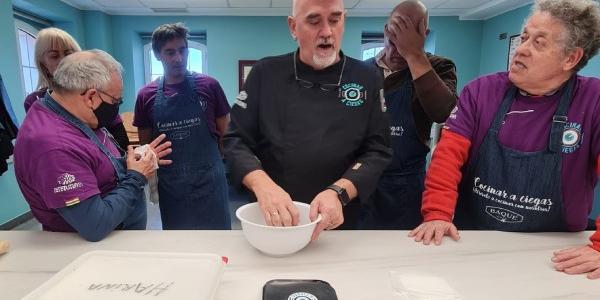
96	217
444	176
418	64
256	180
437	93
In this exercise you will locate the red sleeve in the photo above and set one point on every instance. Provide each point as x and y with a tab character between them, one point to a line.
443	177
595	238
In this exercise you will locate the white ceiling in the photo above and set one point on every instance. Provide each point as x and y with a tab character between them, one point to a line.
465	9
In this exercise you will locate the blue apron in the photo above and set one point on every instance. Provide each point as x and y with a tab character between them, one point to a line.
510	190
193	189
396	202
136	220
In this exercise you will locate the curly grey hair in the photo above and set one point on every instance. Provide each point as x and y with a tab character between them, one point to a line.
85	70
581	19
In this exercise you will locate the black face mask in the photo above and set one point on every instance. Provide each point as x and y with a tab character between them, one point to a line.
106	114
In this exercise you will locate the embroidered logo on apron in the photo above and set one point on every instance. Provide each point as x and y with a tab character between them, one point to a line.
503	215
352	94
572	136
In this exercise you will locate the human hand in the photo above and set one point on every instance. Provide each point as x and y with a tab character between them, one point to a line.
578	260
407	37
434	230
328	205
276	205
161	149
143	164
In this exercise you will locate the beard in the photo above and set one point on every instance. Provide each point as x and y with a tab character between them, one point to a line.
324	61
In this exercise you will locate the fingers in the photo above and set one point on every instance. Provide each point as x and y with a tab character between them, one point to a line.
285	215
420	233
314	210
162	147
565	251
413	232
428	235
454	233
276	218
294	213
438	235
390	31
565	254
407	23
320	227
581	268
595	274
130	154
164	162
157	140
563	266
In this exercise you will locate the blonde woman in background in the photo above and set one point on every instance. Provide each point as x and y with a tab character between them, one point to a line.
51	46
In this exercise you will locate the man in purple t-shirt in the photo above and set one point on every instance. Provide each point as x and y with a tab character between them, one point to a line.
68	166
521	149
191	109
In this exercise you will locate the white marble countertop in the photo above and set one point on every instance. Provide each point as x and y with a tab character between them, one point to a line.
358	264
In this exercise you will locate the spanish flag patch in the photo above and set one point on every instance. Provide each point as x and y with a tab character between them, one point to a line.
72	202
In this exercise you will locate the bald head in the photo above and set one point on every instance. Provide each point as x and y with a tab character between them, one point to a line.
299	6
414	9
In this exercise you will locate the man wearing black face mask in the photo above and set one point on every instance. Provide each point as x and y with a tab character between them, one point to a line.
67	164
107	111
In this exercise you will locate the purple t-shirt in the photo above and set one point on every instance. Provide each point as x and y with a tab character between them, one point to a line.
526	128
34	96
56	165
41	93
208	89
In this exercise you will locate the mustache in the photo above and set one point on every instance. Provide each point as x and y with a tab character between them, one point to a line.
325	41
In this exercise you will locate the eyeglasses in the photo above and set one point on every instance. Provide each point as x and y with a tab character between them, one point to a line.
116	101
328	87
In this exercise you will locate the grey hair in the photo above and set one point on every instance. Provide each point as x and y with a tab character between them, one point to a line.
85	70
581	19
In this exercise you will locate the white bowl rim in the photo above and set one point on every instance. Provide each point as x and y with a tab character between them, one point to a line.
237	214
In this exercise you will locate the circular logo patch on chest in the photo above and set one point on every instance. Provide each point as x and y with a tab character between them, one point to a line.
302	296
352	94
572	136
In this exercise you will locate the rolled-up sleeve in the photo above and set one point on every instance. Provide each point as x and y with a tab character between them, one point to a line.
241	139
375	153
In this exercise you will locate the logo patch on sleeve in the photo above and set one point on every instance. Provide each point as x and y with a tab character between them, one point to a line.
66	182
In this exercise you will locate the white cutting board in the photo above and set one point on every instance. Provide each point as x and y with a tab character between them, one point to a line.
135	275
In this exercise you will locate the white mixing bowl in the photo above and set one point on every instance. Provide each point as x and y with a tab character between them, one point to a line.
276	241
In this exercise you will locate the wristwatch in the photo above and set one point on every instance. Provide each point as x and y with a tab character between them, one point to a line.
341	193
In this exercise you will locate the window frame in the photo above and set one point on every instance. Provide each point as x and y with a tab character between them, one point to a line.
31	30
371	45
191	45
